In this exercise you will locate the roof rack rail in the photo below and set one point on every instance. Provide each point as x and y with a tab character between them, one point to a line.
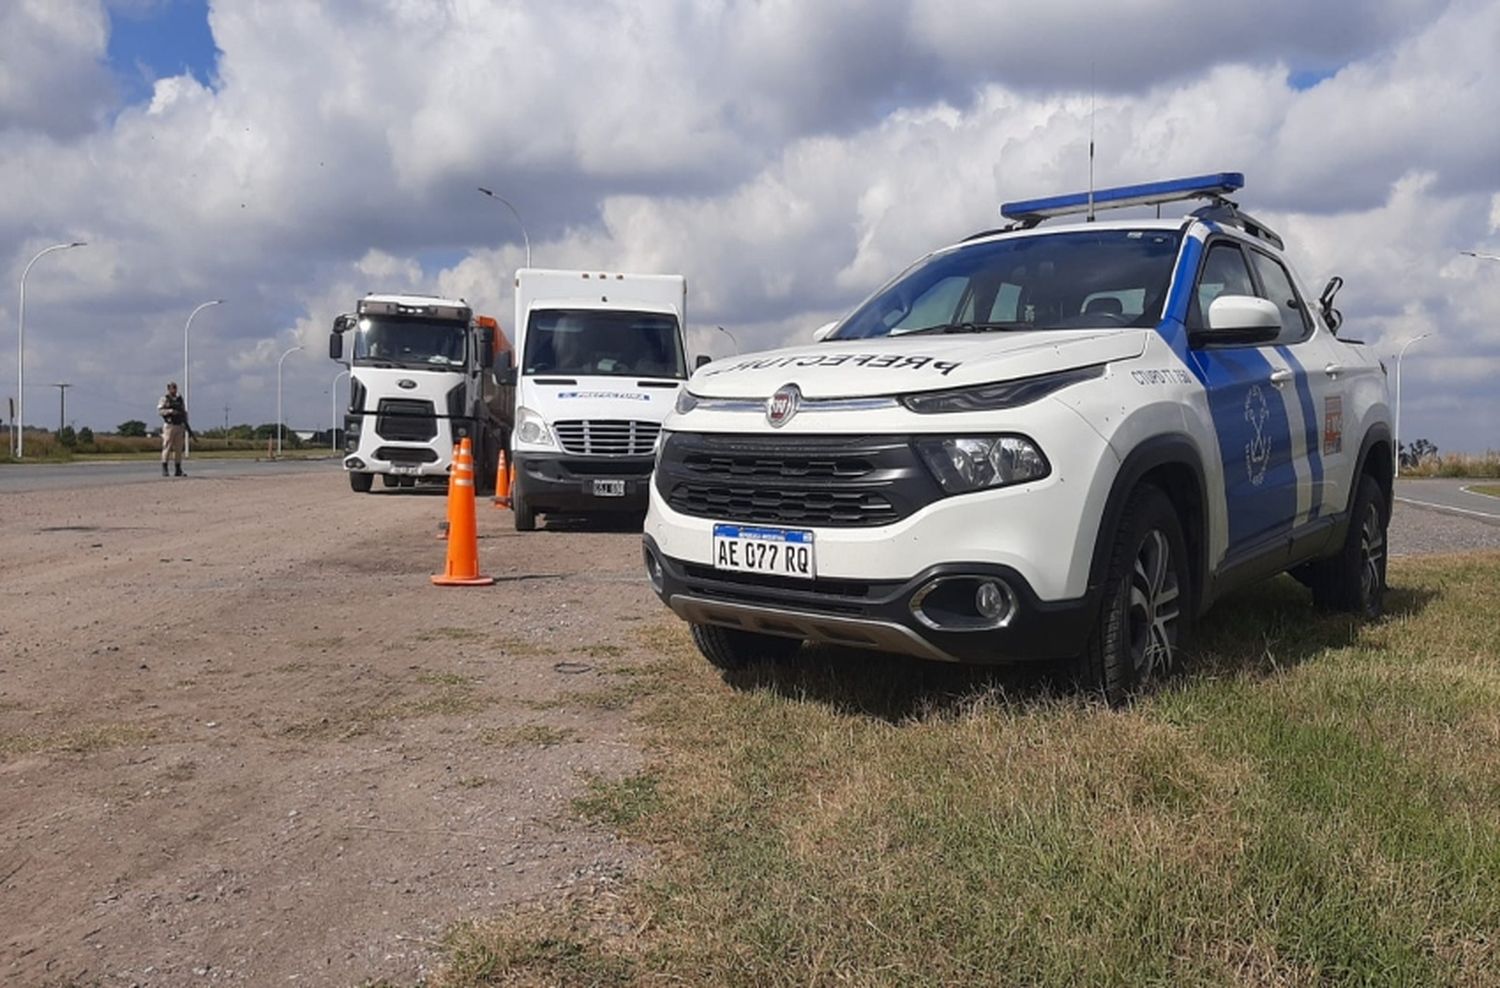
1029	212
1230	214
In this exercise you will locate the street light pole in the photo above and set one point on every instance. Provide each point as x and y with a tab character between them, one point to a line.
1401	353
279	430
21	347
187	441
514	212
731	337
333	429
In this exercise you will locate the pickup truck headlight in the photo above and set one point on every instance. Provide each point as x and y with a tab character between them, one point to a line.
1006	394
969	463
532	429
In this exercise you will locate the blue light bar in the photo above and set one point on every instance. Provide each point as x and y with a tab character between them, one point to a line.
1148	194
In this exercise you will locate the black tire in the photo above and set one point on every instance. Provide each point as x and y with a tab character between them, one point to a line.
731	649
1145	616
522	511
1354	579
360	482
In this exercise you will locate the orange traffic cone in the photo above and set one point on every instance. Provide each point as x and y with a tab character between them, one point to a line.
502	482
463	537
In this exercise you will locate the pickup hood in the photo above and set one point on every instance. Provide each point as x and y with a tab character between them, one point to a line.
907	364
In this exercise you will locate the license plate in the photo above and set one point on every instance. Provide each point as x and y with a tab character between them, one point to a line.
397	468
609	488
773	551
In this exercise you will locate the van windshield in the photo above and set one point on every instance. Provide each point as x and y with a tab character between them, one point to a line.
604	342
402	342
1075	280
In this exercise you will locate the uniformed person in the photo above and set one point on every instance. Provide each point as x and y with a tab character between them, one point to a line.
174	418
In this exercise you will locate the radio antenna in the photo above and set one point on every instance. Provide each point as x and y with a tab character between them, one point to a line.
1091	141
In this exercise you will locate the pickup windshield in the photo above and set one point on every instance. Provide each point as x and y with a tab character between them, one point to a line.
1075	280
608	342
402	342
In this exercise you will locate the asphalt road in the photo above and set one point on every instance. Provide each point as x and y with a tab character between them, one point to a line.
18	477
1450	496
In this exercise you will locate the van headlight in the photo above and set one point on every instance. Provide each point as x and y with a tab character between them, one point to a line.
532	429
970	463
686	401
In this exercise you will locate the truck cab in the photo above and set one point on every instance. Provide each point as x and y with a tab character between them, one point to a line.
422	377
601	357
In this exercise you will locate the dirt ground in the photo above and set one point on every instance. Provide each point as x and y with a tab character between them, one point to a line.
243	739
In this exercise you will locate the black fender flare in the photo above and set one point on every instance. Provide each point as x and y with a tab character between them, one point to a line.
1170	449
1378	432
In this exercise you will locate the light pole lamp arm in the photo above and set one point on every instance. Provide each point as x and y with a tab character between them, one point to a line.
21	345
514	212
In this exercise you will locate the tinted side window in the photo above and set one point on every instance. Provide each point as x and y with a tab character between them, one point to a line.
1224	273
1278	289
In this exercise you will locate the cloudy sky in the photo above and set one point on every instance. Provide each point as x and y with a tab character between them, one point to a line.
787	156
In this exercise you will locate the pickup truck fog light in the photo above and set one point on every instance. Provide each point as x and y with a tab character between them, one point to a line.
653	569
964	603
969	463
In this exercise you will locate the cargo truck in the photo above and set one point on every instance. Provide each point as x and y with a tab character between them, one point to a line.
601	359
424	373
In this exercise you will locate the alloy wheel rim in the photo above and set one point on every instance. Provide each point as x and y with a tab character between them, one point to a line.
1371	555
1154	608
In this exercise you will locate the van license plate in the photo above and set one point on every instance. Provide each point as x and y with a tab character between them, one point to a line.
609	488
772	551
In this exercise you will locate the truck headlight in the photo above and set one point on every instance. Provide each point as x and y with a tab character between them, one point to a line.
969	463
532	429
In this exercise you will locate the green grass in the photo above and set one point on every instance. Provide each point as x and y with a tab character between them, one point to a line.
1493	490
1315	803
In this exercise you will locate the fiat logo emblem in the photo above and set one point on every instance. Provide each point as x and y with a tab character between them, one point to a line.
406	383
782	405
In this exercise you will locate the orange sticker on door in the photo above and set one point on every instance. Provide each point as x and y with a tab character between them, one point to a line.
1333	424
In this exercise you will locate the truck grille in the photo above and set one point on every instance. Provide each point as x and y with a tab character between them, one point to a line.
405	420
838	481
611	437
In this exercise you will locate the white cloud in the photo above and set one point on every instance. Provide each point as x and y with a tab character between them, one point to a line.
786	157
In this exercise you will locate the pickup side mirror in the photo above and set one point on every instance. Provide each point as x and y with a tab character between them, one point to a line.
821	333
1239	320
703	358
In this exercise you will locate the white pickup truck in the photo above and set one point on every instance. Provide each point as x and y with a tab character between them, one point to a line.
1044	442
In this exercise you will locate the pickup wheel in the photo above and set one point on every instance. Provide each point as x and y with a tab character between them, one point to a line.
524	514
1145	615
360	482
1354	579
731	649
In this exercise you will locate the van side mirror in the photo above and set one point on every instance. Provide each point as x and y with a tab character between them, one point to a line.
821	333
505	374
1239	319
703	358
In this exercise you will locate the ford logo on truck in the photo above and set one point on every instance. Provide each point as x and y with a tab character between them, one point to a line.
406	383
782	405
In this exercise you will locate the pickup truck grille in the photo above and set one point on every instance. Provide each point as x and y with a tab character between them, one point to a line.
405	420
609	437
838	481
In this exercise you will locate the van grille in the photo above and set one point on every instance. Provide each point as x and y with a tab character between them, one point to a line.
608	437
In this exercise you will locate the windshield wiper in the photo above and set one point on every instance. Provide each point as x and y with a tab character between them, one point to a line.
966	327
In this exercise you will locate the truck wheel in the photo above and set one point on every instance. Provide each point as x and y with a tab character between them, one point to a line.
1145	615
485	452
1354	579
524	515
359	482
731	649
